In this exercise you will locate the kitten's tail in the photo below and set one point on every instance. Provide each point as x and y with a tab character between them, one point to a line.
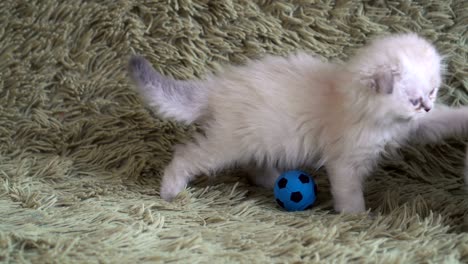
184	101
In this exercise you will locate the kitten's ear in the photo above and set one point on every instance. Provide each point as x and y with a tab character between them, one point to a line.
382	82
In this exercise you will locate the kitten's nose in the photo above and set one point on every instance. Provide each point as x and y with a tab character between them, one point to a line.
426	105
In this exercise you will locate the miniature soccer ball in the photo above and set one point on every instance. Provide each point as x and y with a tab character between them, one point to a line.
295	191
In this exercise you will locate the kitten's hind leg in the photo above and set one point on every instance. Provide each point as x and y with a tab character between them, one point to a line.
263	176
202	156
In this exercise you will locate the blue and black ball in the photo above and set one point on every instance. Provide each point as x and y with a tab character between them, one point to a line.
295	191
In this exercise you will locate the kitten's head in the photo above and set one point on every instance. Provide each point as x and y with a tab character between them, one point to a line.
403	72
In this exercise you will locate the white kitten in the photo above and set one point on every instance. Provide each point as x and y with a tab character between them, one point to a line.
281	113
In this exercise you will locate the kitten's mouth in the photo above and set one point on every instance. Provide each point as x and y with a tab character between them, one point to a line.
421	111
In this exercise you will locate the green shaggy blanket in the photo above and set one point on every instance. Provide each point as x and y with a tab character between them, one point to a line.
81	156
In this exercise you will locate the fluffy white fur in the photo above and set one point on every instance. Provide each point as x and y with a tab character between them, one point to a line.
282	113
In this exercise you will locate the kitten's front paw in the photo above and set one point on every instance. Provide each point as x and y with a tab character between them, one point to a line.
350	209
167	195
170	189
351	205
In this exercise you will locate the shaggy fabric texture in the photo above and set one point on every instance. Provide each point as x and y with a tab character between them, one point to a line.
81	156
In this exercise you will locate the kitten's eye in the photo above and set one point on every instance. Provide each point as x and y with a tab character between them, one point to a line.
414	102
432	92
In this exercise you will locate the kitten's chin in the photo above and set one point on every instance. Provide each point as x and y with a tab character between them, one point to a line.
407	117
404	119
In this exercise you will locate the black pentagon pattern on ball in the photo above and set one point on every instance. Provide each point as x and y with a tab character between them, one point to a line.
280	202
304	178
296	197
282	183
